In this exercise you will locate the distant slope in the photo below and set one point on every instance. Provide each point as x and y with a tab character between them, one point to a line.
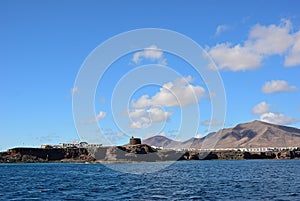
258	134
161	141
251	134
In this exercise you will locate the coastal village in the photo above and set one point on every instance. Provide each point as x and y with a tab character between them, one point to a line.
71	145
252	140
137	141
135	150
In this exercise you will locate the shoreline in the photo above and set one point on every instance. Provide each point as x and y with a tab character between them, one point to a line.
132	154
134	162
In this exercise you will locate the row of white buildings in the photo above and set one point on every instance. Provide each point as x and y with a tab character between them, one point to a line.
72	145
243	149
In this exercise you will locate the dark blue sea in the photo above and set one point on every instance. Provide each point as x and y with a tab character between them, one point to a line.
185	180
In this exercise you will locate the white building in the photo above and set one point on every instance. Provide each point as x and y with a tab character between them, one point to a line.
45	146
78	145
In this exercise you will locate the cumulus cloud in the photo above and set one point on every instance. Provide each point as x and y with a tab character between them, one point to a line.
272	39
261	108
74	90
199	135
277	118
221	28
178	93
234	58
99	116
276	86
293	56
152	53
262	41
143	118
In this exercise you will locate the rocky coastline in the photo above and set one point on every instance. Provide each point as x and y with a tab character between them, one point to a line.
131	153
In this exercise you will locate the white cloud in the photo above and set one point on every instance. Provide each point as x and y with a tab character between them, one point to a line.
178	93
162	134
276	86
142	102
234	58
293	56
272	39
221	28
152	53
262	41
277	118
158	115
261	108
199	135
99	116
74	90
143	118
138	125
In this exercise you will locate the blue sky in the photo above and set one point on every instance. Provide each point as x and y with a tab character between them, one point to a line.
255	45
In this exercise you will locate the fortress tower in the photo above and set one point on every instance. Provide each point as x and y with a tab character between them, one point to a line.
134	141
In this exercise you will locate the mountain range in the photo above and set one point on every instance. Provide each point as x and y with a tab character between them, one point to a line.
246	135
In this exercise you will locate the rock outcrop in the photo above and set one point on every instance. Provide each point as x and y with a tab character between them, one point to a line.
132	153
140	152
16	155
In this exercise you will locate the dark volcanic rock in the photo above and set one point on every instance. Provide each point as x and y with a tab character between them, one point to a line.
230	155
27	155
140	152
171	155
129	153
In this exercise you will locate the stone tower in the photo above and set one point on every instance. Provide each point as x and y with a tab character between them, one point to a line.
134	141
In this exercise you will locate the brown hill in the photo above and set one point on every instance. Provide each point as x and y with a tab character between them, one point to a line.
251	134
161	141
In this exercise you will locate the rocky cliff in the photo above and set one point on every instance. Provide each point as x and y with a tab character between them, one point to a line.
44	155
130	153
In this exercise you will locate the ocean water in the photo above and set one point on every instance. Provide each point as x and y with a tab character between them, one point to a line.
185	180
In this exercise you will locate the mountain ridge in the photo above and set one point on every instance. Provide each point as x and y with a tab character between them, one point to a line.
244	135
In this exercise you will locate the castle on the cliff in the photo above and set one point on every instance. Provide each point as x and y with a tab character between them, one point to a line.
135	141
